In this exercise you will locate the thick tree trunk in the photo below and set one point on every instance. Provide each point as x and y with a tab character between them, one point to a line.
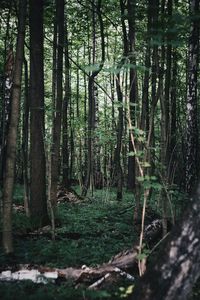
177	267
38	203
9	173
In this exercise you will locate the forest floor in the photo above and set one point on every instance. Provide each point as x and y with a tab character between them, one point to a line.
89	233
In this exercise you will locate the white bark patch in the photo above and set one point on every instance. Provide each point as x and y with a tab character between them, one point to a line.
173	252
33	275
189	107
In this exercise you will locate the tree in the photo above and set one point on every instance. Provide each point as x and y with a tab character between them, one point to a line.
177	267
38	203
192	165
133	91
9	172
89	180
56	139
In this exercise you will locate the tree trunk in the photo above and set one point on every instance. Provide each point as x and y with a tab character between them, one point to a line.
38	203
25	139
132	91
55	151
66	100
89	180
177	267
8	182
6	92
192	164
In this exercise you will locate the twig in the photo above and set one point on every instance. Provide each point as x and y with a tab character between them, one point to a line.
98	282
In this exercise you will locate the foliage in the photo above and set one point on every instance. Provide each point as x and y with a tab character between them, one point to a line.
90	233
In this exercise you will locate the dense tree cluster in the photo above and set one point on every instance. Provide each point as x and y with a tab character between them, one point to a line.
101	93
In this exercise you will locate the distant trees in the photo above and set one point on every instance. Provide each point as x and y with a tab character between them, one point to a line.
107	73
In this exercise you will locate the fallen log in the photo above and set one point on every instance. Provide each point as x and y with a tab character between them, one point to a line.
91	277
124	264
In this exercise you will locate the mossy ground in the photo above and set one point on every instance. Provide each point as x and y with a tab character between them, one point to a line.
90	233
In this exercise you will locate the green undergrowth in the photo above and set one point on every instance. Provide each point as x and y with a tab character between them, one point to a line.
89	233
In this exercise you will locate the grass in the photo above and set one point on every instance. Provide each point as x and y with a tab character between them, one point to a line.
90	233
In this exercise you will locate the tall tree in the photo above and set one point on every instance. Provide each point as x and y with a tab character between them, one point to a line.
55	151
192	165
117	175
9	172
6	90
133	90
96	10
38	203
66	100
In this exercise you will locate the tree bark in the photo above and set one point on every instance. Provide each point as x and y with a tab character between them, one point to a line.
38	203
66	100
9	173
55	151
177	267
192	165
89	180
132	91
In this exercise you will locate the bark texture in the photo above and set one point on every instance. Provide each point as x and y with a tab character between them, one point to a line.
192	165
9	173
38	203
177	267
55	152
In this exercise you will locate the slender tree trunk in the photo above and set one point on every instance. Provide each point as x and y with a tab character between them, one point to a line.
89	180
38	203
117	174
6	92
132	91
144	122
12	133
55	151
25	139
173	120
65	152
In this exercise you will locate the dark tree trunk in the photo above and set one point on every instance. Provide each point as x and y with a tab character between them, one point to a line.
65	140
144	122
9	171
25	139
6	90
56	139
38	203
177	267
132	91
117	174
89	180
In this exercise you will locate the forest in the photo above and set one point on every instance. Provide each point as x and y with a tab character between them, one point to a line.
99	160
